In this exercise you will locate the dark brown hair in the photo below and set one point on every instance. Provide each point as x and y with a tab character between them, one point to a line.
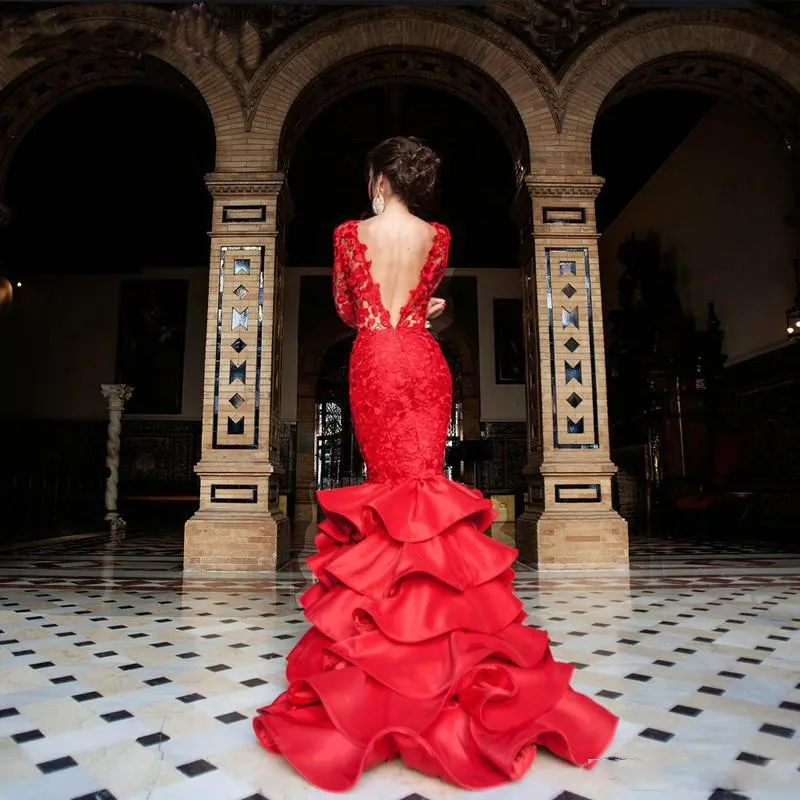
410	166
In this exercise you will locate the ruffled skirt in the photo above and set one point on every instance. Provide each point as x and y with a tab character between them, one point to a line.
419	650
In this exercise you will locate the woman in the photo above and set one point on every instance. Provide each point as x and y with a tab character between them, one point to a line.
417	648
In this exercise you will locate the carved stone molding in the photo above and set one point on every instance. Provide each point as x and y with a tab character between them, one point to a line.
554	29
582	186
111	39
221	184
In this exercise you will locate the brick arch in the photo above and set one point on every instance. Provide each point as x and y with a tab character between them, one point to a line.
36	92
719	77
56	36
337	37
433	69
631	46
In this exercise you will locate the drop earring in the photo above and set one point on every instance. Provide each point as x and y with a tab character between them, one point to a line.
378	204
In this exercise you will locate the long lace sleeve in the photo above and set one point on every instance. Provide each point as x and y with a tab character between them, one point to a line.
438	260
342	295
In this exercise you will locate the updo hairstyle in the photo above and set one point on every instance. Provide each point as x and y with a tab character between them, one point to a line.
410	167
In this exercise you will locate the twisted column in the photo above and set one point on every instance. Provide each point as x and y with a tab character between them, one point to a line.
116	395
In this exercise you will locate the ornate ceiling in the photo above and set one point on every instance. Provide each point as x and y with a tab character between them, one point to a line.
554	29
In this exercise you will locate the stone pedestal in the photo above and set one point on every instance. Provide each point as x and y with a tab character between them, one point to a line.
237	543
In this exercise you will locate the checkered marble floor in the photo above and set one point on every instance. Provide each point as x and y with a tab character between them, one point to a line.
123	679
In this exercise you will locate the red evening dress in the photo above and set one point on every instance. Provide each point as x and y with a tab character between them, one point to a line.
418	647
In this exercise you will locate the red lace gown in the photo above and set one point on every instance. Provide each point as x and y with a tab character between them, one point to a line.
418	647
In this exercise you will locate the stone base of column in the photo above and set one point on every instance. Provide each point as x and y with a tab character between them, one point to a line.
212	543
573	541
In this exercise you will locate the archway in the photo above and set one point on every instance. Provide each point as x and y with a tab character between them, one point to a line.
319	47
110	247
332	151
479	183
631	47
703	211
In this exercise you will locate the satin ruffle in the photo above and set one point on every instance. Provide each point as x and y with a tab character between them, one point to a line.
418	649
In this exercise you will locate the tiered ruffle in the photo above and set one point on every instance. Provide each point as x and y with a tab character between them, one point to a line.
418	649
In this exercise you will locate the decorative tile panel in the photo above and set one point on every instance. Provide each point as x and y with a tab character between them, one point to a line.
237	377
238	372
530	316
571	331
573	372
567	267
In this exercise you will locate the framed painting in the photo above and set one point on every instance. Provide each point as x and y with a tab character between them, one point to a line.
151	344
509	347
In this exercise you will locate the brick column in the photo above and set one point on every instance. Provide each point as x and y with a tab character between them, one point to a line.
569	522
238	526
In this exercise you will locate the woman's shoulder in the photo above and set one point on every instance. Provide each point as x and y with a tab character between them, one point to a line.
440	228
349	223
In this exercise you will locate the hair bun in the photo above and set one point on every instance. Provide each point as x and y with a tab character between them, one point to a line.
410	166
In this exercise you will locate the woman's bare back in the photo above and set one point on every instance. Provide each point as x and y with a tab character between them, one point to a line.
397	247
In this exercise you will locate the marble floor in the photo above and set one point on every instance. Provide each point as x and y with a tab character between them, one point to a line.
123	679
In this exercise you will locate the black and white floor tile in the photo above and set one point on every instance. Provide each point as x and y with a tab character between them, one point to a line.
123	679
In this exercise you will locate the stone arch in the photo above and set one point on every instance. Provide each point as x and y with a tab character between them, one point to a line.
719	77
422	67
337	37
623	50
36	92
51	40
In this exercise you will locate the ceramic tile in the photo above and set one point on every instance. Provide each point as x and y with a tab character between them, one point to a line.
125	680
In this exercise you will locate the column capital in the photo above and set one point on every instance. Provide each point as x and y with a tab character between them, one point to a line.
231	184
585	186
116	394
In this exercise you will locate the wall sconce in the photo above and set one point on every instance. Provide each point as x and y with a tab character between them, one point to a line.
793	313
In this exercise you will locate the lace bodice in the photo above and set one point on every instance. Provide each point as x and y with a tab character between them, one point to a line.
358	297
